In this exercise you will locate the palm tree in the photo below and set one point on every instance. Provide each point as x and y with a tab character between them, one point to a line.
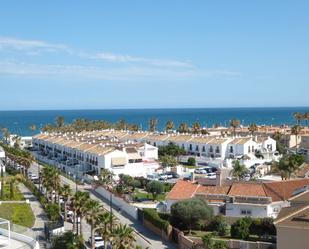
169	125
238	170
183	128
295	130
121	124
196	127
106	177
79	201
298	117
153	124
252	128
5	134
66	192
123	237
234	124
60	121
93	210
107	222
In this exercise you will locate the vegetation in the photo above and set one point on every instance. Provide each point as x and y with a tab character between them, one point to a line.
295	130
210	243
155	188
53	211
67	240
171	150
10	191
153	217
18	213
241	228
219	225
183	128
196	128
234	124
238	170
287	165
168	161
153	124
169	125
252	128
189	214
191	161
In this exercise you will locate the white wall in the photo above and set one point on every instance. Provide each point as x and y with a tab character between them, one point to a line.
257	211
119	202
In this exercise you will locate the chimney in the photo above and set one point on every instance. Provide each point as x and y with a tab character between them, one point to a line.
218	178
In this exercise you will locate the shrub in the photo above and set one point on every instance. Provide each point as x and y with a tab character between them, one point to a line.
210	243
241	228
153	217
189	214
219	225
191	161
53	211
262	227
155	188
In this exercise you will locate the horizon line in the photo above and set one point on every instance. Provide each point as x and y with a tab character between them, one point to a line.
153	108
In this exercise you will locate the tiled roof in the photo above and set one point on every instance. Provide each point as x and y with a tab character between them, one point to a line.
203	140
247	189
240	140
180	138
157	137
304	169
213	190
284	190
182	190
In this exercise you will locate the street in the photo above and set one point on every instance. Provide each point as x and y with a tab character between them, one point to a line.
144	237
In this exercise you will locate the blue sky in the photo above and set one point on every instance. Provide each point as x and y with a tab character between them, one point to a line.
153	54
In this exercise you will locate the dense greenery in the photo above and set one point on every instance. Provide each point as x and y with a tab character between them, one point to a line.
241	228
219	226
171	150
67	240
190	214
153	217
238	169
288	165
210	243
18	213
155	188
191	161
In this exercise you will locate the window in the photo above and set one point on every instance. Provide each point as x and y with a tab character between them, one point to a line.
217	149
203	149
252	148
190	146
211	149
231	149
249	149
183	146
155	144
196	148
246	212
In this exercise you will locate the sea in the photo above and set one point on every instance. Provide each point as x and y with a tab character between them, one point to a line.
19	122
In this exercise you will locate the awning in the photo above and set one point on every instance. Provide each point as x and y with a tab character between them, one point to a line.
119	161
134	156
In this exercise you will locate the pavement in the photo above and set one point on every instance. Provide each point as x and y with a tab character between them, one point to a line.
144	237
40	215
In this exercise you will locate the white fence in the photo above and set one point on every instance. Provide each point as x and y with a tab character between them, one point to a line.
121	204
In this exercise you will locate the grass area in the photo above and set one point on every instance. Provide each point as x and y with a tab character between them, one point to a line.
143	195
18	196
18	213
190	166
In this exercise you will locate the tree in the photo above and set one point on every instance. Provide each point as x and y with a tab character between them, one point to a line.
67	240
295	130
106	177
219	225
241	228
5	134
264	226
123	237
210	243
60	121
171	150
155	188
238	170
32	127
252	128
153	124
306	117
79	201
168	161
192	161
196	127
183	128
53	211
234	124
169	125
187	214
298	117
106	223
121	124
93	210
66	192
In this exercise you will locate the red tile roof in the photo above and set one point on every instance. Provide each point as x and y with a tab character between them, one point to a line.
247	189
182	190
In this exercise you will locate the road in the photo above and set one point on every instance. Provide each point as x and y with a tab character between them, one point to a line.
144	237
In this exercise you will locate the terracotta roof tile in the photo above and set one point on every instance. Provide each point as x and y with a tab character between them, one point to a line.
182	190
247	189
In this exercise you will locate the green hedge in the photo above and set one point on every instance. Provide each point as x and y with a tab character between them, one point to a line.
153	217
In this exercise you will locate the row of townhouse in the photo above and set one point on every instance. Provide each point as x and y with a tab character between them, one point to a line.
79	154
210	146
240	199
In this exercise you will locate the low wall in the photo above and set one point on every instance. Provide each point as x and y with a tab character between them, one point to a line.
118	202
22	238
163	235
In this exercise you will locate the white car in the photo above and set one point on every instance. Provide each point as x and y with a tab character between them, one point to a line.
98	241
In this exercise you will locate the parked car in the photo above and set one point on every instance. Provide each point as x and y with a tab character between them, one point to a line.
98	241
200	171
163	177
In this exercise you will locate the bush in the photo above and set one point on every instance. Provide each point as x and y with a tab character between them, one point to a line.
191	161
190	214
53	211
155	188
262	227
164	216
219	225
241	228
210	243
153	217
